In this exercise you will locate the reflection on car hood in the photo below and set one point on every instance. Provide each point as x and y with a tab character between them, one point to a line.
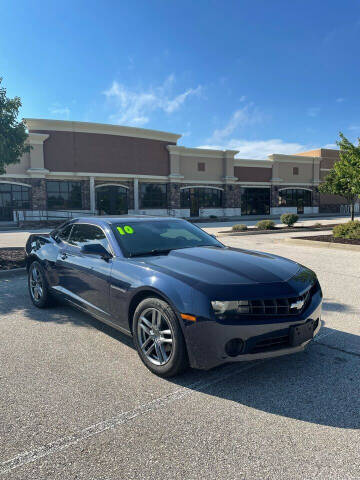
219	267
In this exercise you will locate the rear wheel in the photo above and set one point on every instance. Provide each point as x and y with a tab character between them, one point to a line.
38	286
158	338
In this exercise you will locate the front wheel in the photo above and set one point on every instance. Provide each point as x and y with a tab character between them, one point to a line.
38	286
158	338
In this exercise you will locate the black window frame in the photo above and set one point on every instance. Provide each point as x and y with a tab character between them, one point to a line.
62	192
255	201
206	197
14	189
155	200
290	197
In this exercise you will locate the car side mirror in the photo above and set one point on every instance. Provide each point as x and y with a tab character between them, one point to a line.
95	249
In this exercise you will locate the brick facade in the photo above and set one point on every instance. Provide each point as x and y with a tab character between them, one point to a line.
232	196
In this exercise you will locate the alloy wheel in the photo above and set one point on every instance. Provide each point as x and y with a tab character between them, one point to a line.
36	284
155	336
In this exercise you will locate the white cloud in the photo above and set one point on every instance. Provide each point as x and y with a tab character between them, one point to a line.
313	111
331	146
58	110
133	107
259	149
222	139
340	100
248	115
354	127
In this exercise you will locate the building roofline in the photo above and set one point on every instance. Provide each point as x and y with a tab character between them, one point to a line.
200	152
281	157
99	128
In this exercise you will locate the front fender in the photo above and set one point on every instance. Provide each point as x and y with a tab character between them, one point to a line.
176	293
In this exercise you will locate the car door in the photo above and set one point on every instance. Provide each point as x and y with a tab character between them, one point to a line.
87	277
61	237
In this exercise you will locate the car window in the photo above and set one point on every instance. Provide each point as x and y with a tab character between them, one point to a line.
63	233
83	234
141	237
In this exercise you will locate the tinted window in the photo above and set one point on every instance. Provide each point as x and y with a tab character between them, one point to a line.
255	201
204	197
63	195
153	195
17	196
293	197
82	234
64	233
142	237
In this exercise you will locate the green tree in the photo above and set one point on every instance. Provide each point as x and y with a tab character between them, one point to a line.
344	178
13	133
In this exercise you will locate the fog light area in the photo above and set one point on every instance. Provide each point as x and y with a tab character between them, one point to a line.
234	347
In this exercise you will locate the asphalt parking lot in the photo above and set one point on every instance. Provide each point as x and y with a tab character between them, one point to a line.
77	403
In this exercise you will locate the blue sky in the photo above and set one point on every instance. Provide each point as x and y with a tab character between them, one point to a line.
259	76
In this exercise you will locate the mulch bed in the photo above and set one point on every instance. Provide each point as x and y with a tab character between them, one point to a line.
12	258
331	239
284	228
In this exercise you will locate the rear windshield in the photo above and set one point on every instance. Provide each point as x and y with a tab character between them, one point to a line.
159	236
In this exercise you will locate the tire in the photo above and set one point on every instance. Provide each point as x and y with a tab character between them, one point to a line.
158	338
38	286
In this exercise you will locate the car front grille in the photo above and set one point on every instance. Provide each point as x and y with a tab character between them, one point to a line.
279	306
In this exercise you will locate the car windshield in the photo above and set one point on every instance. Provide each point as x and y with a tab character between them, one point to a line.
159	237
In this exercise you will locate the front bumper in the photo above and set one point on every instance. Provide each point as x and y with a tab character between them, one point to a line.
206	339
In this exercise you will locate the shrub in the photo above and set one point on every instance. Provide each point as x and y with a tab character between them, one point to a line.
239	227
347	230
289	219
318	225
266	225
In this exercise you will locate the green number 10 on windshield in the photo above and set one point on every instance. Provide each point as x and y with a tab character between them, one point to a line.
126	229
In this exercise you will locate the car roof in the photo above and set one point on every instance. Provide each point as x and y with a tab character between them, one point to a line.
122	218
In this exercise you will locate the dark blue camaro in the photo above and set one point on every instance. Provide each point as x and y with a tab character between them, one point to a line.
183	296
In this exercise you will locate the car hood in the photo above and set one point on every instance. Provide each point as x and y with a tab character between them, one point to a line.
217	269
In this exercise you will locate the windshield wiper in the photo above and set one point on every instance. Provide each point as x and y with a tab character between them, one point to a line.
155	251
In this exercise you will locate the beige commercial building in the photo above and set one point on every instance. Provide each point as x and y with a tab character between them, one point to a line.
78	168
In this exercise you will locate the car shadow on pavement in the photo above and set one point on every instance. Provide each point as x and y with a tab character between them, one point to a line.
320	385
333	306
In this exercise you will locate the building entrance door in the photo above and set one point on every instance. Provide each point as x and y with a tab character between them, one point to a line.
194	203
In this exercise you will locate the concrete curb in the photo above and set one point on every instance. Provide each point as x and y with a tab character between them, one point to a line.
14	272
319	244
229	233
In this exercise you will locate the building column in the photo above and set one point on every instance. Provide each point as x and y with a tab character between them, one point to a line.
92	195
136	195
38	193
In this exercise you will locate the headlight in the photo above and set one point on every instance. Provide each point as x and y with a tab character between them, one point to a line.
237	306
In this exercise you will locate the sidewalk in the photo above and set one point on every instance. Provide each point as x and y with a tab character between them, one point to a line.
17	238
215	227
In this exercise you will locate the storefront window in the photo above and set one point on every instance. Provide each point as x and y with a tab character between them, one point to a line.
13	197
206	197
153	195
255	201
295	197
63	195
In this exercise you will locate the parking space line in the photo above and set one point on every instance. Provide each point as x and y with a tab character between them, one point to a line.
124	417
